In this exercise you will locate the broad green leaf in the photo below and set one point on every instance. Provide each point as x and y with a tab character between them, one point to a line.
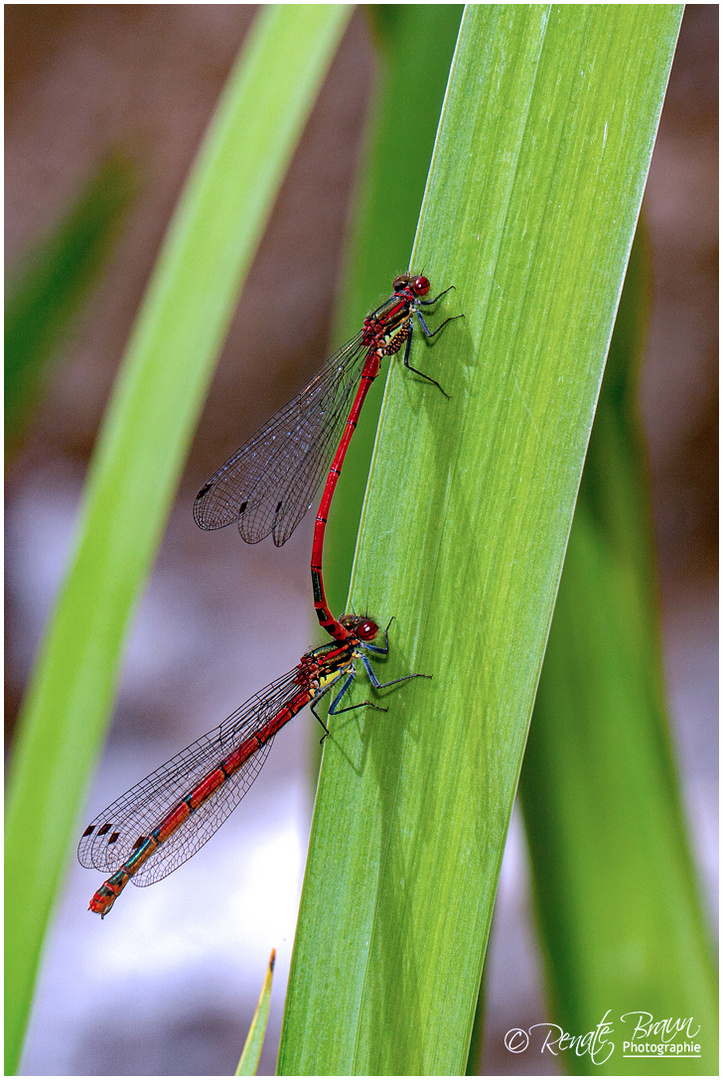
138	459
530	210
47	290
618	911
249	1060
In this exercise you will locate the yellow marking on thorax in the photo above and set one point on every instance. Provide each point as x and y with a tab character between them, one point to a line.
328	677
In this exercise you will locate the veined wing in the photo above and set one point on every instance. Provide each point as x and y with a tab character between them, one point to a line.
113	835
269	483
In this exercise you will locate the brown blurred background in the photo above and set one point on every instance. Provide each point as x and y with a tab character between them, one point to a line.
166	989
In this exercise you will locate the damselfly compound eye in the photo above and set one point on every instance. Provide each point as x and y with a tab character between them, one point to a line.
367	630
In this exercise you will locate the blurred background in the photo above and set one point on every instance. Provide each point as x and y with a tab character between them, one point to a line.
168	984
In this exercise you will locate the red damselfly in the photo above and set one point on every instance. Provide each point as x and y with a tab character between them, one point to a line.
162	821
269	483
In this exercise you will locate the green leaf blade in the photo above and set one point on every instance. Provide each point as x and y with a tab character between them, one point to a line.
617	904
249	1060
47	290
530	211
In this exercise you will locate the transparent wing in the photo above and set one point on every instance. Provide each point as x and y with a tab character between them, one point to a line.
112	836
269	483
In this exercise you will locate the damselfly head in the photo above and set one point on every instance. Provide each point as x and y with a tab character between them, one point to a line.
418	285
361	626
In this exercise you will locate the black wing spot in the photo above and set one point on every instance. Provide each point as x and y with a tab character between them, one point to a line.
104	829
113	837
243	506
89	831
204	491
278	507
139	842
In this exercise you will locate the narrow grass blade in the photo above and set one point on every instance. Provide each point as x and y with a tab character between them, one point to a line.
249	1060
531	205
616	896
141	448
45	293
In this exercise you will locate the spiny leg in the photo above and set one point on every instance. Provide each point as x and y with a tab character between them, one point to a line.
334	709
433	333
407	351
392	682
316	715
439	296
377	648
385	652
361	705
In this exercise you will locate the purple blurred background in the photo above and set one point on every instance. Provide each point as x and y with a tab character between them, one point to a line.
169	984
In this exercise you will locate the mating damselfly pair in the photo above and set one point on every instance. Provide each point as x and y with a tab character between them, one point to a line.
266	487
